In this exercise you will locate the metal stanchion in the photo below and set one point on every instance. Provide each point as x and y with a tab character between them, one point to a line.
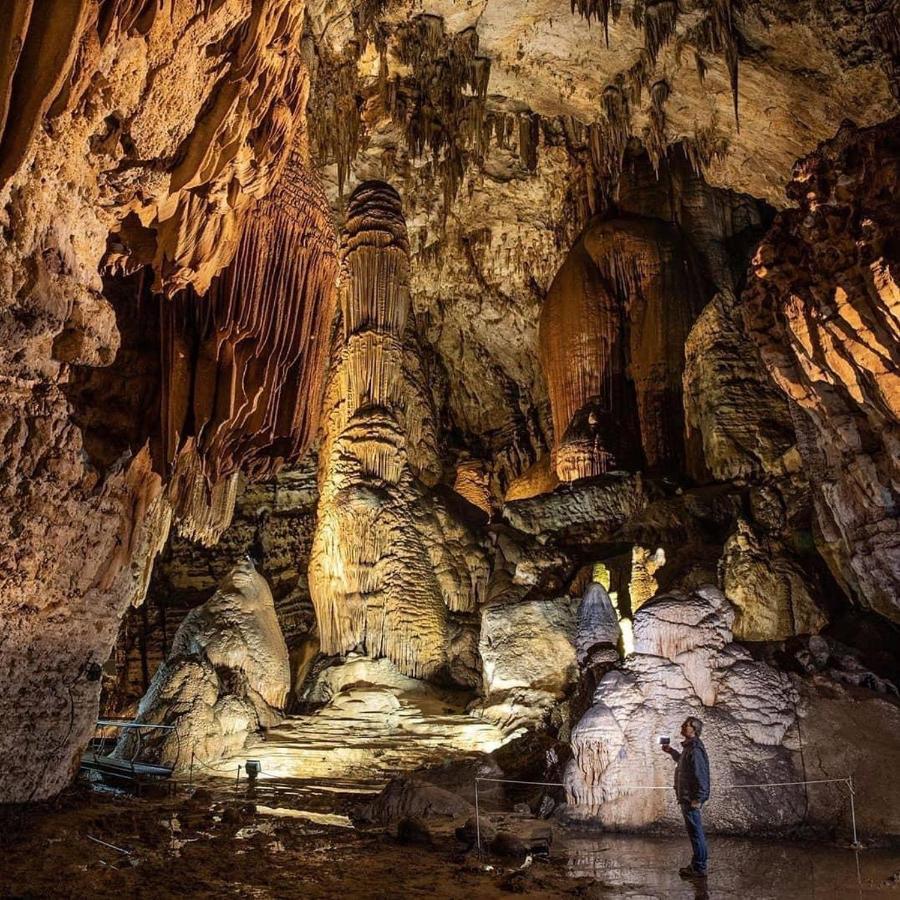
477	820
856	844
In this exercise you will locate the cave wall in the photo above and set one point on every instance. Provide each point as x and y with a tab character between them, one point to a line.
106	158
822	303
507	132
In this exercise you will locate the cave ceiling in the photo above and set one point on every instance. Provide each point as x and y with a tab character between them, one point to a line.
499	145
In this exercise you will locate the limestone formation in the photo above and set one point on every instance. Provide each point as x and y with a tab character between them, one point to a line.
769	590
528	657
729	399
392	566
823	305
131	134
226	677
760	726
686	663
613	329
243	369
598	622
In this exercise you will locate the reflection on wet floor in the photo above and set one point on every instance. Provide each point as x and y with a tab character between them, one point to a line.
638	867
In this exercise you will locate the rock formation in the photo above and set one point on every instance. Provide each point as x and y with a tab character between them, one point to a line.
575	453
393	568
613	329
760	726
108	158
226	677
823	305
243	369
685	664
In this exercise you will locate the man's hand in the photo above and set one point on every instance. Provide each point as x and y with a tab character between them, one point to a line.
667	748
696	804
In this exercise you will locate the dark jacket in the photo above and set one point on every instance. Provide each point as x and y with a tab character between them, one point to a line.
691	772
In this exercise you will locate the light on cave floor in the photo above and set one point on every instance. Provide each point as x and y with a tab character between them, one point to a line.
361	739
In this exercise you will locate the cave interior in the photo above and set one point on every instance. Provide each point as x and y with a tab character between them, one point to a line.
412	412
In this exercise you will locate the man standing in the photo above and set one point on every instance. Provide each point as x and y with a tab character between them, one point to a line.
692	791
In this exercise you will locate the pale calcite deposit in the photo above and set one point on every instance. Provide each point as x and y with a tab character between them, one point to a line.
226	677
685	663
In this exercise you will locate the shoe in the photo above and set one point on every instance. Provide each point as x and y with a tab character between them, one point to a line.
691	872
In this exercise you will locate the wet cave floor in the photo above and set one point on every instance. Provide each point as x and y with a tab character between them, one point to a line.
291	835
201	846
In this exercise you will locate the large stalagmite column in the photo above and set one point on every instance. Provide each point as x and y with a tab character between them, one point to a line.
390	565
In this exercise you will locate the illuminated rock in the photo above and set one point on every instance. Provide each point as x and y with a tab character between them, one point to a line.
685	664
613	329
131	133
243	368
729	399
393	566
595	508
528	657
226	677
822	304
598	622
769	590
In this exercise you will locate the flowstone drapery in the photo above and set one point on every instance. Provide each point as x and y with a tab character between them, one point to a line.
613	329
393	570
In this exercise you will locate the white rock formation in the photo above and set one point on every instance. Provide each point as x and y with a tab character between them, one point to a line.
597	621
686	664
226	677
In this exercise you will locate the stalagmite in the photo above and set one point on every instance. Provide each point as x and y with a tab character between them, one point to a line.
390	565
226	676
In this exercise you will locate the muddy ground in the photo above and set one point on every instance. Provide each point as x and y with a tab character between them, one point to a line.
89	844
194	847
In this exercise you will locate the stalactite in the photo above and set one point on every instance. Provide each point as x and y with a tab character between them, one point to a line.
335	122
243	369
658	23
581	355
441	105
717	32
612	334
601	10
201	513
655	138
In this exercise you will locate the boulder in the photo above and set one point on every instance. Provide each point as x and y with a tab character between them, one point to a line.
227	676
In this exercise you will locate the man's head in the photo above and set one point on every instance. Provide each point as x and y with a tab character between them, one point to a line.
691	727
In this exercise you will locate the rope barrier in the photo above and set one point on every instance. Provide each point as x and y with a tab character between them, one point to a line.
659	787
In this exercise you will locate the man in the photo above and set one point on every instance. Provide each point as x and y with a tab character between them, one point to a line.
692	791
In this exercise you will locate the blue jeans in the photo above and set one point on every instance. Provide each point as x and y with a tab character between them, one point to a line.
693	822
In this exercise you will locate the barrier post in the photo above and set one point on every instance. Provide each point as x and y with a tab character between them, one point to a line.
856	843
477	819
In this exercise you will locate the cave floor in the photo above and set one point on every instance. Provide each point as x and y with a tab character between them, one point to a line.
202	846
